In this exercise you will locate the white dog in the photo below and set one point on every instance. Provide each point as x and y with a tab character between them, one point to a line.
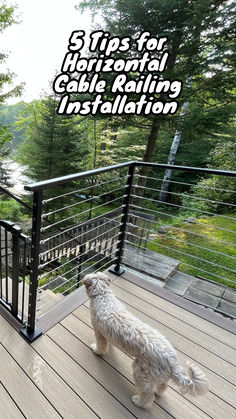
155	360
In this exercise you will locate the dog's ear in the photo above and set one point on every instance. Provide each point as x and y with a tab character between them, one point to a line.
104	277
87	280
107	280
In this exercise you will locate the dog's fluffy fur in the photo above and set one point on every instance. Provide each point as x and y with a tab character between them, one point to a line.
155	360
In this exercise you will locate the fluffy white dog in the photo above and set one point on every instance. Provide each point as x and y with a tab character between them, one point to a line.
155	360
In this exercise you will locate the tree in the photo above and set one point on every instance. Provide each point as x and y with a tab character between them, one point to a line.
52	148
8	116
52	145
200	45
220	190
6	19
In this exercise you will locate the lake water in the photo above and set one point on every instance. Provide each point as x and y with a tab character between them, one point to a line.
16	176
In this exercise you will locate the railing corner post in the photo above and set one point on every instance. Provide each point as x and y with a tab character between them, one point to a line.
31	332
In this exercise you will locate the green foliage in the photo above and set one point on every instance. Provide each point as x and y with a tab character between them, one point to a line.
109	142
6	19
52	146
224	156
200	43
8	116
11	210
210	194
201	245
6	15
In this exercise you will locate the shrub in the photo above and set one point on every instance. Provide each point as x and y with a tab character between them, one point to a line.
10	210
215	188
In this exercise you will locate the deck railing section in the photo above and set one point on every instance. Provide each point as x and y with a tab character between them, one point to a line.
14	267
198	230
75	230
89	221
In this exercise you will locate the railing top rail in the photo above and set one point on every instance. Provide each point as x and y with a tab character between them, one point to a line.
188	168
14	228
70	178
5	191
64	179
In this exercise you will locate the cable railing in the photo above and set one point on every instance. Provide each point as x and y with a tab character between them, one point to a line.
76	228
164	225
185	184
186	195
201	211
189	228
76	237
183	241
196	221
111	217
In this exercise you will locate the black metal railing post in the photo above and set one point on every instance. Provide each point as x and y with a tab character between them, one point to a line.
118	269
31	332
16	231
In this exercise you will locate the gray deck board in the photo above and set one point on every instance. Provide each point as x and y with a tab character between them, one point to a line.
8	409
119	361
59	376
150	263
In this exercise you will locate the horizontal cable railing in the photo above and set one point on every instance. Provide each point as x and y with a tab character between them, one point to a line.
184	183
196	221
77	230
186	195
88	188
50	226
69	231
77	237
194	227
179	252
115	215
164	225
182	241
201	211
95	248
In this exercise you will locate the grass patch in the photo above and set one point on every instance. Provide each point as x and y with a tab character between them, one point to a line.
11	210
204	249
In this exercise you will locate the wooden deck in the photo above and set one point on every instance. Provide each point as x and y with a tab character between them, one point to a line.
59	376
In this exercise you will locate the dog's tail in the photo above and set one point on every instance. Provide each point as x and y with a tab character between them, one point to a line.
193	381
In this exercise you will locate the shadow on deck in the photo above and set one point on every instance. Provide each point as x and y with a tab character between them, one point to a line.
59	376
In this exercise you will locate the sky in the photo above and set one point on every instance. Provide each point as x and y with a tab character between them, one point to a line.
37	45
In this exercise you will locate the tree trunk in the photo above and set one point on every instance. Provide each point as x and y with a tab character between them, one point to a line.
168	172
152	138
148	157
94	167
173	152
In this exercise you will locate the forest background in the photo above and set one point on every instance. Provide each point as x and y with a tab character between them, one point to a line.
201	134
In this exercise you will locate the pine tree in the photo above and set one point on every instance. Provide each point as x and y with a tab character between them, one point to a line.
200	44
6	19
52	146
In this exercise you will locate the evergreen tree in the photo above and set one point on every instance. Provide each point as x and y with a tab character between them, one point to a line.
200	45
8	116
6	19
52	145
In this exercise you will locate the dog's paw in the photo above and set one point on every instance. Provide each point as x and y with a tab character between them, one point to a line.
161	388
136	400
95	349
